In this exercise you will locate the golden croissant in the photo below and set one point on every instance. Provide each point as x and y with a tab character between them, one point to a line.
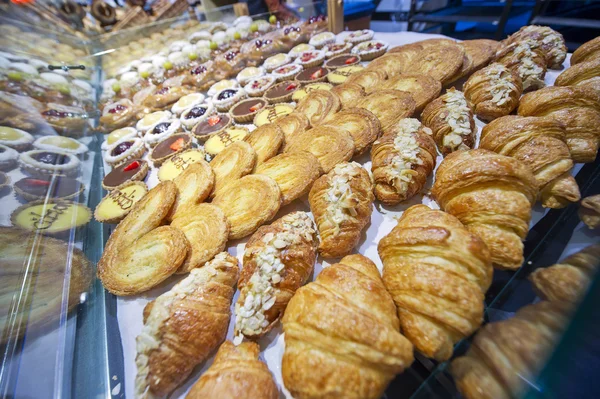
589	211
341	335
236	373
492	196
586	52
586	74
341	203
437	272
526	58
550	41
403	158
278	259
538	142
183	326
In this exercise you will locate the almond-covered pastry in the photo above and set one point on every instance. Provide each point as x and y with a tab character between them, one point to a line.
493	91
370	80
389	106
350	94
589	211
585	74
278	260
526	58
451	120
341	335
194	185
422	88
233	162
266	141
440	62
166	350
439	298
331	145
403	158
538	142
319	106
292	125
551	42
588	51
363	126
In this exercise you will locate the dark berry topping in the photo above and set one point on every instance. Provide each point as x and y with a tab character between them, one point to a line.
198	70
195	112
56	114
50	158
121	148
231	55
225	94
161	128
117	108
162	91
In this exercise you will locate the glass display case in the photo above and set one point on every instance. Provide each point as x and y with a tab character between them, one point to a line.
63	97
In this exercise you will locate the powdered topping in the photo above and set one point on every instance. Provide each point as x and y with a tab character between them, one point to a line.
457	116
501	83
407	154
341	202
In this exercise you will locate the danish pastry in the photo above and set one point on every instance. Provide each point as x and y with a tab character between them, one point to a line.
194	185
349	94
588	51
422	88
395	62
585	74
389	106
526	58
369	80
292	125
233	162
440	62
589	211
319	106
481	52
266	142
363	126
551	42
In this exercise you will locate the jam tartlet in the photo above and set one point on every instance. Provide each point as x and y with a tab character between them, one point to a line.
60	143
53	217
370	50
132	170
161	131
173	166
170	146
310	58
124	150
335	49
57	187
8	157
117	115
212	125
45	162
322	39
15	138
196	114
67	120
225	99
257	87
151	120
272	113
244	111
119	134
287	72
359	36
186	102
219	142
276	61
312	75
119	202
343	60
282	92
300	48
222	85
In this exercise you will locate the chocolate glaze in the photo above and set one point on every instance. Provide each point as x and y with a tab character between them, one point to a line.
61	187
341	61
163	149
282	89
243	108
119	175
305	75
204	128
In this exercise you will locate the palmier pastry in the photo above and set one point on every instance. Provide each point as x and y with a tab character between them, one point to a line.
481	52
492	196
588	51
331	145
422	88
451	120
538	142
194	185
341	203
350	94
402	160
319	106
278	260
440	62
578	108
370	80
294	173
248	203
439	298
266	141
166	351
589	211
341	335
292	125
233	162
363	126
551	42
389	106
392	64
585	74
527	59
493	91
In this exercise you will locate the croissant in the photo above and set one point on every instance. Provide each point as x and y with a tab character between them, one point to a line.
566	282
389	106
341	335
586	74
493	91
551	42
526	58
538	142
578	108
451	121
589	211
341	203
492	196
505	355
437	272
402	160
236	373
278	259
586	52
183	326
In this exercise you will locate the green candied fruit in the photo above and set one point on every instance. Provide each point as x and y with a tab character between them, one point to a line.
272	19
192	56
213	46
116	87
254	27
168	65
145	74
64	89
237	35
16	76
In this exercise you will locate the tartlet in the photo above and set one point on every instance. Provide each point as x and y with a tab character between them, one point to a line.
249	73
304	90
196	114
124	150
340	75
8	157
56	187
359	36
151	120
60	143
300	48
161	131
119	134
272	113
15	138
276	61
212	125
287	72
312	75
341	61
335	49
244	111
257	87
53	217
173	166
45	162
119	202
310	58
322	39
281	92
186	102
170	146
370	50
222	85
133	170
225	99
219	142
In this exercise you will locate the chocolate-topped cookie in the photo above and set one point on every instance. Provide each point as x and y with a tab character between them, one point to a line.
132	170
211	126
244	111
170	146
32	189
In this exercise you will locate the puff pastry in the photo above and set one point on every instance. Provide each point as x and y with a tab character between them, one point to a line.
341	203
349	94
538	142
331	145
278	260
402	159
578	108
396	61
389	106
168	347
341	335
292	125
422	88
235	161
369	79
319	106
481	51
589	211
236	373
141	252
440	62
586	52
551	42
451	120
437	272
266	141
526	58
194	185
493	91
363	126
492	196
585	74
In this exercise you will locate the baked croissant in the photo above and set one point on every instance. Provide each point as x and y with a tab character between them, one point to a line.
550	41
526	58
183	326
402	160
578	108
538	142
341	203
585	74
236	373
493	91
492	196
586	52
278	259
451	121
589	211
341	335
437	272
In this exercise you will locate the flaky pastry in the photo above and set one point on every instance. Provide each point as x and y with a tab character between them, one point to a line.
194	185
589	211
235	161
481	51
266	141
526	58
422	88
319	106
331	145
586	52
551	42
369	79
363	126
395	62
585	74
349	94
389	106
440	62
292	125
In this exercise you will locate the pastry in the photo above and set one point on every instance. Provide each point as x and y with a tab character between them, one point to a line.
304	90
141	252
236	372
389	106
340	75
281	92
335	49
538	142
186	102
50	216
322	39
60	143
439	298
402	160
272	113
166	352
266	142
331	349
257	87
343	60
526	58
150	120
589	211
117	115
276	61
370	49
585	74
248	203
300	48
480	51
16	139
492	196
161	131
287	72
359	36
42	163
551	42
319	106
244	111
201	76
119	202
165	96
211	126
248	74
220	141
440	62
493	91
55	187
341	203
170	146
331	145
173	166
225	99
194	185
312	75
133	170
436	43
8	157
278	259
117	135
578	108
396	63
422	88
350	94
451	121
310	58
233	162
370	80
292	125
195	114
363	126
588	51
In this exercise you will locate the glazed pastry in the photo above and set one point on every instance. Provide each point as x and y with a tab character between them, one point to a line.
211	126
440	298
493	91
370	80
492	196
389	106
42	163
194	185
248	203
50	217
141	252
272	113
363	126
312	75
236	372
578	108
538	142
319	106
526	58
233	162
350	94
60	143
266	142
440	62
166	352
201	76
585	74
175	165
588	51
117	115
451	121
8	157
402	160
589	211
119	202
54	187
278	259
551	42
342	61
281	92
219	142
170	146
134	170
341	203
342	308
422	88
16	139
331	145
